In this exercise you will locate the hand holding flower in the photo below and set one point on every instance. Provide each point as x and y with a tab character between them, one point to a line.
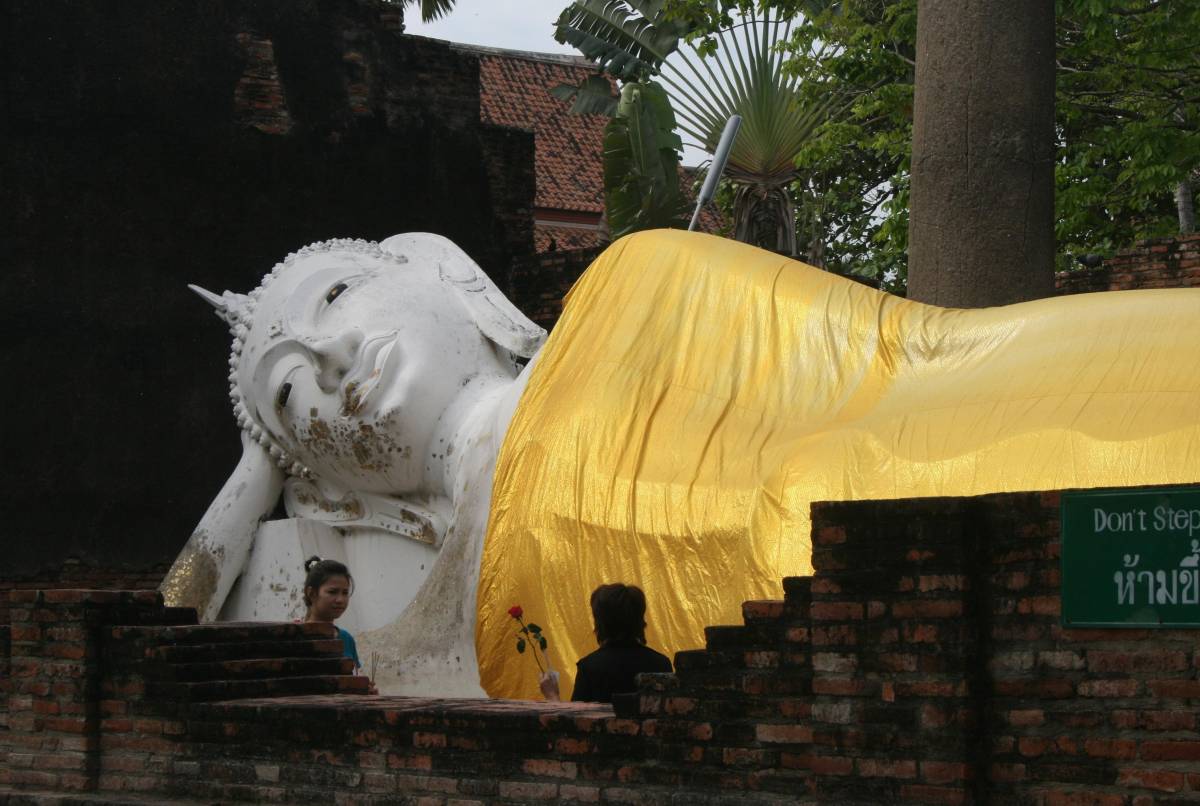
532	634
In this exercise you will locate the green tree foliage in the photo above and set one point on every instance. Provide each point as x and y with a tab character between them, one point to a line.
1128	120
1128	116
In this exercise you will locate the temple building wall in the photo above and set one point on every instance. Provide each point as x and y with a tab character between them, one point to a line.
924	662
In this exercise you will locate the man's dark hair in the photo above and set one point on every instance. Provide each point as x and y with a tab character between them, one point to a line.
619	612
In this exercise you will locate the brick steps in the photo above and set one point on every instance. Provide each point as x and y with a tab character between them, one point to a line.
224	632
254	668
229	661
200	653
259	688
768	657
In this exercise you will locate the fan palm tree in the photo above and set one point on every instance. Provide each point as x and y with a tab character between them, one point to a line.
749	82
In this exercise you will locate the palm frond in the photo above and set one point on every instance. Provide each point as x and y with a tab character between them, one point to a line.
750	82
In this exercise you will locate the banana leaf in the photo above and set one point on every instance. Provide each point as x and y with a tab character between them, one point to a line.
593	96
628	39
641	163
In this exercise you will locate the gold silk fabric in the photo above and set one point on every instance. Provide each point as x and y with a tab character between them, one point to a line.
699	394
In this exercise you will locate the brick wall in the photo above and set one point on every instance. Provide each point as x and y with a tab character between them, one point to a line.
923	662
1159	263
75	573
538	283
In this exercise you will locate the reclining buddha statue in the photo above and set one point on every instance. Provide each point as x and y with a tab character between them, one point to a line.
695	398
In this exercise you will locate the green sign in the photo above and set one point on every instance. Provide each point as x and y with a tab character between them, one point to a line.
1131	558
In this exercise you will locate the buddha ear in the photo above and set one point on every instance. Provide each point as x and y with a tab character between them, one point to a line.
496	317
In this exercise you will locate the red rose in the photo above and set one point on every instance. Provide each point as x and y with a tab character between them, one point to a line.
515	611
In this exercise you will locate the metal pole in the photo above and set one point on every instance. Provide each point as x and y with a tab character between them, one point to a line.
718	166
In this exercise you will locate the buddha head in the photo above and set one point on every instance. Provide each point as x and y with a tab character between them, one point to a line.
350	356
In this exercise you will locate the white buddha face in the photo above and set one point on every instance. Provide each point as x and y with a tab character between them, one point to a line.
352	360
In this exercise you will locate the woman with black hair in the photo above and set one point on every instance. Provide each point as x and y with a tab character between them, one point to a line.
619	616
327	590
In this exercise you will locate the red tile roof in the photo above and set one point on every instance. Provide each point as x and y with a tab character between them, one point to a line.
549	237
514	92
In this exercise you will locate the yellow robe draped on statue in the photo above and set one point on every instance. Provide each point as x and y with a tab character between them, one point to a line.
697	396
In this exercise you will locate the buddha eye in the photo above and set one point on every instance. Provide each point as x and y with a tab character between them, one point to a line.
335	292
285	391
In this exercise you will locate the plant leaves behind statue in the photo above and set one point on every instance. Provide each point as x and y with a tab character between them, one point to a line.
623	44
641	163
593	96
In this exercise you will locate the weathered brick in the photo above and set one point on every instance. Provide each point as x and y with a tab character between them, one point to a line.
528	791
1111	748
1026	717
1033	746
822	765
1109	688
923	793
550	768
1175	689
928	608
784	734
579	794
427	740
1167	720
1007	773
1170	751
407	762
829	535
836	611
944	772
1040	605
1161	780
1101	660
943	582
1061	659
881	768
572	747
1057	797
834	662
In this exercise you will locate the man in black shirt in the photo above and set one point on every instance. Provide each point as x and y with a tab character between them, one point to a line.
619	615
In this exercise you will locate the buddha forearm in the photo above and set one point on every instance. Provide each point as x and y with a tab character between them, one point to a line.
216	552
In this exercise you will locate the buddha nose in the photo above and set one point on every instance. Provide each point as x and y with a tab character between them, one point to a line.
335	356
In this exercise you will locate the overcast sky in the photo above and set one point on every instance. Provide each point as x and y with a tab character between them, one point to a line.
516	24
